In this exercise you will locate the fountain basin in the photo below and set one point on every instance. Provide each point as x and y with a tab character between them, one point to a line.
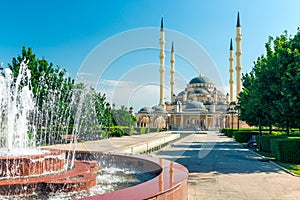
170	182
45	163
81	177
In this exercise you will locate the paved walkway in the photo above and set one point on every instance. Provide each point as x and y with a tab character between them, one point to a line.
220	168
125	144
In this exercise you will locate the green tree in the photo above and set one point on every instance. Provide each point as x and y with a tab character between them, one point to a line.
122	117
52	90
271	89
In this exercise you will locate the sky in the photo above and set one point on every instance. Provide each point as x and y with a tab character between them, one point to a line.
80	36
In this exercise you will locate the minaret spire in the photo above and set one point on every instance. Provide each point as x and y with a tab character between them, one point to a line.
231	47
162	24
238	54
231	71
162	63
172	71
238	20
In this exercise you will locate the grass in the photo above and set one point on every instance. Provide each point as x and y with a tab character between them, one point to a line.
294	168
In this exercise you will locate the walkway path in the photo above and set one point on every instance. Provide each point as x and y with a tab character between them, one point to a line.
125	144
220	168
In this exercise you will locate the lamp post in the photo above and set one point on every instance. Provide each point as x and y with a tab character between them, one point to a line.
130	113
232	111
108	108
168	121
238	120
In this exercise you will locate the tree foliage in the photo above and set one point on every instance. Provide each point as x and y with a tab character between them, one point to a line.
122	117
272	89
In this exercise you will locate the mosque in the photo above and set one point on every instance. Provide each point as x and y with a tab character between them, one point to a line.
200	106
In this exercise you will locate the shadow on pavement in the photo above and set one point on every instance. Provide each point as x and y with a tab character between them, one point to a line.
220	157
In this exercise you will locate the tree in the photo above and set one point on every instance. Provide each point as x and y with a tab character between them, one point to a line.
271	89
122	117
52	91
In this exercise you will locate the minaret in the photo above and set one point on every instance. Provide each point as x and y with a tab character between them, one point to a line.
231	70
162	62
172	71
238	54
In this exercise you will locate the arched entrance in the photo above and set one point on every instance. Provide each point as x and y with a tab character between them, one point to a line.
144	121
159	122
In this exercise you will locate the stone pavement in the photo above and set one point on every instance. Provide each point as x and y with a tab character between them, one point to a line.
125	144
220	168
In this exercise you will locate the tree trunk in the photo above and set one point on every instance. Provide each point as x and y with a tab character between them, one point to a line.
259	143
287	128
270	132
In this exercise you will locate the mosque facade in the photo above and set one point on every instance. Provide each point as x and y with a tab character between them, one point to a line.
200	106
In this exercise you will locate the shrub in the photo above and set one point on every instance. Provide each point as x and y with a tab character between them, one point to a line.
244	136
129	130
117	131
265	141
224	130
143	130
295	134
104	134
286	150
229	132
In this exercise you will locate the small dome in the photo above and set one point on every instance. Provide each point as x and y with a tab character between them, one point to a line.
233	103
200	79
201	91
145	110
208	103
182	93
193	105
159	109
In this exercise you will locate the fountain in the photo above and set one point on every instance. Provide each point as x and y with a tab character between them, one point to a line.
25	169
30	170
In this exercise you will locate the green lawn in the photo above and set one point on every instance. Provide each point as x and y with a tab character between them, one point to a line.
294	168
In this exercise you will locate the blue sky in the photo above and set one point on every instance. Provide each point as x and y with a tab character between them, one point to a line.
65	32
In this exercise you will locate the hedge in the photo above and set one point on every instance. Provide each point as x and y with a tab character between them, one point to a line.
129	131
228	131
265	141
243	136
286	150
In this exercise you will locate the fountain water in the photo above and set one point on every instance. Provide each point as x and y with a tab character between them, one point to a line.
27	124
16	103
33	169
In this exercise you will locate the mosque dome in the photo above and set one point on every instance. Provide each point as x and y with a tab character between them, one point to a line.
201	91
200	79
145	110
159	109
195	105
